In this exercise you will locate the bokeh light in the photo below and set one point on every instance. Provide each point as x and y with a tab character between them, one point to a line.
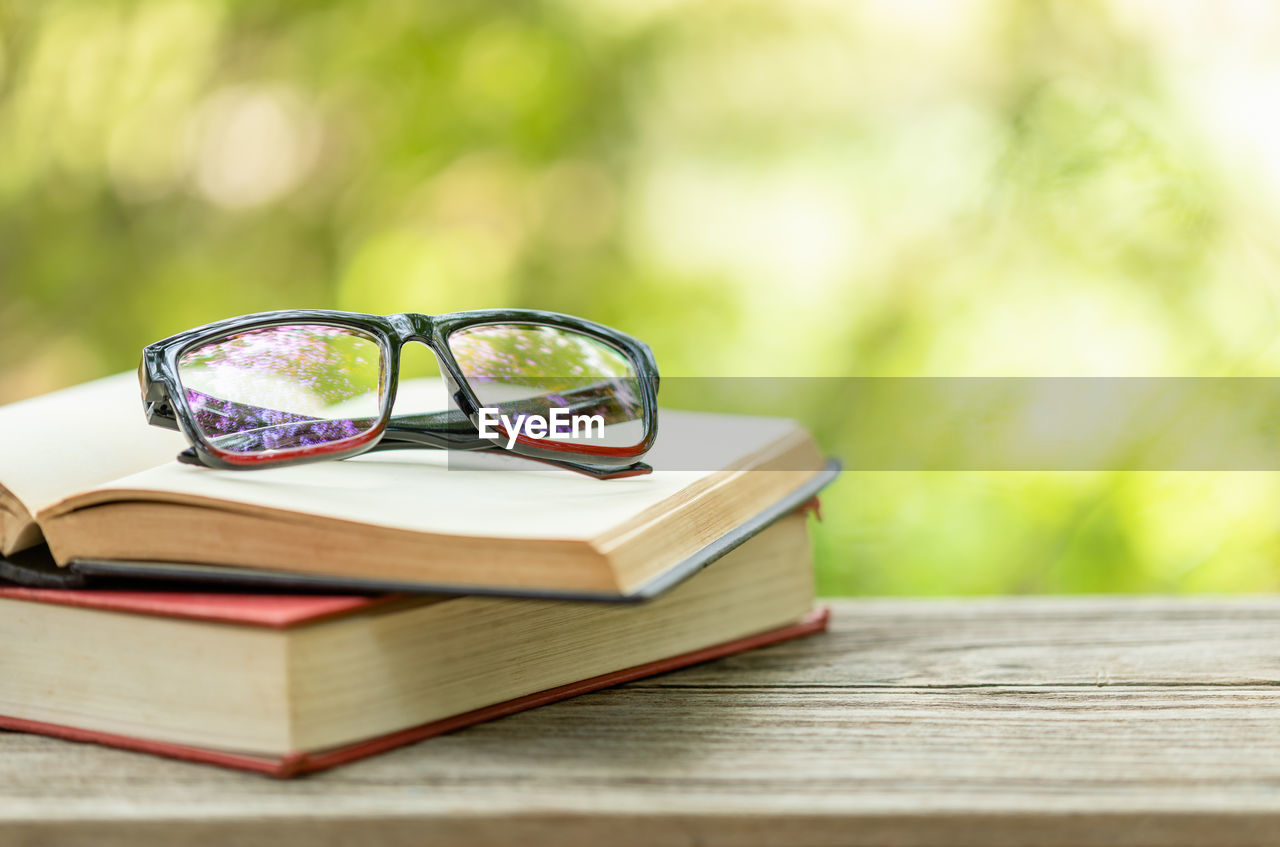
809	188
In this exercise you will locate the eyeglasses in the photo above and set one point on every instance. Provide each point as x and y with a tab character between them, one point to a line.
279	388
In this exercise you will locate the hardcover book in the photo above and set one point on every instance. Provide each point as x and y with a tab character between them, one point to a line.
282	685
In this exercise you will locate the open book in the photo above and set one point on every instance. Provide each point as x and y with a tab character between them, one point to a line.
83	472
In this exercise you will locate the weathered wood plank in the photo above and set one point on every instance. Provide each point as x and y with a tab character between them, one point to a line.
1063	721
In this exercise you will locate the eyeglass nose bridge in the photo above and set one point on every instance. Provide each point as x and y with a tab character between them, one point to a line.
413	326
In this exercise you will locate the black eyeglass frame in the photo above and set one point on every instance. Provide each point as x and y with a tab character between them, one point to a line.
165	403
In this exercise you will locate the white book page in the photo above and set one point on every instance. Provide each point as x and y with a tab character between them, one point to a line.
429	491
76	439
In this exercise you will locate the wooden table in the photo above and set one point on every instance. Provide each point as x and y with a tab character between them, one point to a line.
992	722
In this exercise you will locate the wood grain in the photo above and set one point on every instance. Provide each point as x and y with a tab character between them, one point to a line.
995	722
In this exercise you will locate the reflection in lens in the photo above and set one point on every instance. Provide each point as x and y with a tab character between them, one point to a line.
284	387
533	369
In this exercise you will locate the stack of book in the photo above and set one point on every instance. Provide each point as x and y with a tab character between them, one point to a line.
292	619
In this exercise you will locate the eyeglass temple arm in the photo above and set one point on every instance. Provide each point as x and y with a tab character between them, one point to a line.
452	430
635	469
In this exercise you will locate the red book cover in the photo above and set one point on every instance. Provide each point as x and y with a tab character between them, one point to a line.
278	611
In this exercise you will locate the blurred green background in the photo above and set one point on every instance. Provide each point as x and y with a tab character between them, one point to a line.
962	187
